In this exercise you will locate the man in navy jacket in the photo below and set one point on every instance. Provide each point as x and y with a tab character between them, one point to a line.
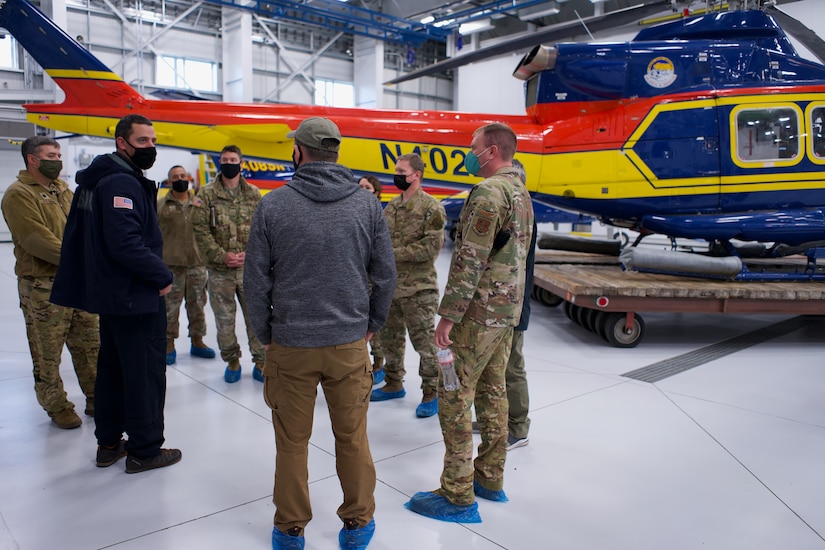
112	264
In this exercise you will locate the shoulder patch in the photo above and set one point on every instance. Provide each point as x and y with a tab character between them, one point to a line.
197	201
483	221
123	202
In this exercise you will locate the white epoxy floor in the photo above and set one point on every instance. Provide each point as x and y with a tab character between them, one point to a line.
728	455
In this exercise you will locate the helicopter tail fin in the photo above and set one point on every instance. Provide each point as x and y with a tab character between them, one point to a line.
84	79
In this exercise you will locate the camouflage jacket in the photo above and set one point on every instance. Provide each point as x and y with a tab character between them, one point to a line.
486	280
174	217
36	217
221	222
417	233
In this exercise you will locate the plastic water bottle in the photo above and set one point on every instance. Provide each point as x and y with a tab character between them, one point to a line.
446	362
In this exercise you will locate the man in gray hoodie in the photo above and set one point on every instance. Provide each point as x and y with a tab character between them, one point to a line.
314	247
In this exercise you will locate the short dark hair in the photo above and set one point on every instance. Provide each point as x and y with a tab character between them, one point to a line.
31	145
415	161
500	135
320	155
232	149
124	125
169	173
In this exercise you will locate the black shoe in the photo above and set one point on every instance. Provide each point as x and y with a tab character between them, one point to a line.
106	456
167	457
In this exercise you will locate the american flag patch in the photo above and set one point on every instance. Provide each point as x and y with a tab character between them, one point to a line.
123	202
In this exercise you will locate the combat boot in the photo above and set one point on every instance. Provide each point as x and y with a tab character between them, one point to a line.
377	370
66	419
258	372
171	354
390	390
429	404
233	371
199	349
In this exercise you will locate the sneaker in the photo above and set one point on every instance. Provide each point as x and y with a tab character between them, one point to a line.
516	442
377	376
353	537
66	419
427	408
292	539
167	457
258	373
171	357
381	395
106	455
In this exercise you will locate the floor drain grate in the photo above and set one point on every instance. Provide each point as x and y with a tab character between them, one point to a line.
669	367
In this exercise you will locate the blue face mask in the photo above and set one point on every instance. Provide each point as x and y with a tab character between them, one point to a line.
471	162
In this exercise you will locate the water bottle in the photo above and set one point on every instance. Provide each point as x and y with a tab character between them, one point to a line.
446	362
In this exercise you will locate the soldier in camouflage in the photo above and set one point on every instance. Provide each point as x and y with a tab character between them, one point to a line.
221	224
180	252
416	222
481	305
35	207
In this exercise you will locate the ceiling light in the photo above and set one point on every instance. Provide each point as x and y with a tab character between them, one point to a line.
427	20
476	26
526	15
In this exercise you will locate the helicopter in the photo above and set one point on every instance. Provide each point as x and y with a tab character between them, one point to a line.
707	127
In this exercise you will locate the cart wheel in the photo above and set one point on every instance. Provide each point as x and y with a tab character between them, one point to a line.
534	293
598	323
619	337
548	298
568	309
578	315
589	318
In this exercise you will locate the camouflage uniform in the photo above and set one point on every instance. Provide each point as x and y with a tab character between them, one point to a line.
417	232
221	224
483	297
180	252
36	217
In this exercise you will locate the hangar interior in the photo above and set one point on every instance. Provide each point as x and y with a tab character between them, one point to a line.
722	455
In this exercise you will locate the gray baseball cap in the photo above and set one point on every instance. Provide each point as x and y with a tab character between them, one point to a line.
314	130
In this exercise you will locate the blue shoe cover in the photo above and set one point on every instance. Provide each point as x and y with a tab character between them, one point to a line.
257	374
378	376
282	541
171	357
356	539
206	353
489	494
436	506
378	395
231	376
425	410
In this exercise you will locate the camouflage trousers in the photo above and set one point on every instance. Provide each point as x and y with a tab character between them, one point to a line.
189	283
224	285
518	398
416	315
481	355
48	328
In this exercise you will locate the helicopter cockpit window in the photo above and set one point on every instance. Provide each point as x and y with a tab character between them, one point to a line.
817	132
770	134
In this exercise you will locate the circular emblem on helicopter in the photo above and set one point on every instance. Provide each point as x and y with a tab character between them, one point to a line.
660	73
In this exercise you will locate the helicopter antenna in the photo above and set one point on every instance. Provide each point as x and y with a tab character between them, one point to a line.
584	25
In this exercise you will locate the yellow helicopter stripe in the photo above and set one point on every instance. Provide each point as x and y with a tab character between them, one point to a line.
82	74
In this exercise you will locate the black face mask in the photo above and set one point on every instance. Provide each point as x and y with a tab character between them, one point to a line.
144	157
229	171
400	181
295	160
180	186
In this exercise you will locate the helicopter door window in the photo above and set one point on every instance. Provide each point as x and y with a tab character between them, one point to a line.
817	131
769	135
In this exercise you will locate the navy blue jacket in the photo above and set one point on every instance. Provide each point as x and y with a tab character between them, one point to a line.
112	257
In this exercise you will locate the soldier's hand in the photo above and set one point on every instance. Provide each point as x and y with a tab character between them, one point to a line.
165	291
442	333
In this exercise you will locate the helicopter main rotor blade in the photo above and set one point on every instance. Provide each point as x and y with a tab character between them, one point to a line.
549	34
800	31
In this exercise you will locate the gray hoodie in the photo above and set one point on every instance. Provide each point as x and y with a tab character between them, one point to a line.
315	246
